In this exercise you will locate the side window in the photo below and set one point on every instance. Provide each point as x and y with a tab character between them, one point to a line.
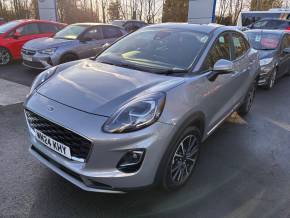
94	34
28	29
220	50
128	26
240	45
111	32
48	28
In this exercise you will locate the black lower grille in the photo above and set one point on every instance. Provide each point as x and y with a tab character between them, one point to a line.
79	146
33	64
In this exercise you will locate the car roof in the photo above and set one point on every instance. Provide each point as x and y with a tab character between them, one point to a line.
281	32
276	19
35	20
206	28
141	21
94	24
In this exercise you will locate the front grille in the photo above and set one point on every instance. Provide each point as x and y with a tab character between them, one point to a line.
28	52
33	64
79	146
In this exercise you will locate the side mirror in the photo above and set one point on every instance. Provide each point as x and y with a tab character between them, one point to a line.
286	50
222	66
16	35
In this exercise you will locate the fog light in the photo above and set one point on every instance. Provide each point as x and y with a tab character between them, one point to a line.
131	161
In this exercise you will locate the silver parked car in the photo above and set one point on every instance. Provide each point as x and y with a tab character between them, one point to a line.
136	115
76	41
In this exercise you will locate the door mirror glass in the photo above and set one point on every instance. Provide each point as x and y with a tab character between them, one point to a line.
223	66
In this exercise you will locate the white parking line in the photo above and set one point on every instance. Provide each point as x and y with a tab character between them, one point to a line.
12	93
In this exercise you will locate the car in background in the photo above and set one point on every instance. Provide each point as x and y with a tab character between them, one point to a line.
14	34
247	18
274	52
136	115
130	25
76	41
2	21
271	24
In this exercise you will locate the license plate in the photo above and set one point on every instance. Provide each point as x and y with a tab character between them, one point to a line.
26	57
54	145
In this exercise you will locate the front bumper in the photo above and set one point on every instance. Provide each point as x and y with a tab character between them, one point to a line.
99	172
265	75
39	61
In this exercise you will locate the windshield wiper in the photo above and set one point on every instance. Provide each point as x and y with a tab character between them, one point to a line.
173	70
125	65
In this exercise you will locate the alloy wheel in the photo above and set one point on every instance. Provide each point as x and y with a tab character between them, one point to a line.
184	159
273	79
4	56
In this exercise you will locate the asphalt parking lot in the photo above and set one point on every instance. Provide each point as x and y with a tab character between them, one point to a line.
244	169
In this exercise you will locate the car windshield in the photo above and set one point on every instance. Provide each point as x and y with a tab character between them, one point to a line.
70	32
156	49
8	26
264	40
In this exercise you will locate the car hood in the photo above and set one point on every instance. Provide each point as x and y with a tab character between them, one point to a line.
266	54
102	89
44	43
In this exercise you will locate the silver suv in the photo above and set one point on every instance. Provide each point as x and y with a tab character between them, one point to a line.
137	114
76	41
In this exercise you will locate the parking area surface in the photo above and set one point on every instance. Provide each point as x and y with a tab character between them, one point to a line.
244	169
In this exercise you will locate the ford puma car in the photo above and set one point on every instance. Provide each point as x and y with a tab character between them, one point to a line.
136	115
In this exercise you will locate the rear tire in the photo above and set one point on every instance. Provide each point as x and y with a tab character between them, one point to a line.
182	159
67	58
5	56
248	102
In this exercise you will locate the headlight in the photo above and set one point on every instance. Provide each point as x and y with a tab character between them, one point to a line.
48	51
137	114
266	61
41	78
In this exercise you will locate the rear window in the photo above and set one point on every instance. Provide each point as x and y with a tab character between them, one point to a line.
264	40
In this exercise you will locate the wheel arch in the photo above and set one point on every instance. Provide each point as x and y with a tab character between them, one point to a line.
68	53
196	119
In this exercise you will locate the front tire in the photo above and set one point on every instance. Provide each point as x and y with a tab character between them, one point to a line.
248	102
5	56
272	80
182	159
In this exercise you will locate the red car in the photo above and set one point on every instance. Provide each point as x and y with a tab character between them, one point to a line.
14	34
